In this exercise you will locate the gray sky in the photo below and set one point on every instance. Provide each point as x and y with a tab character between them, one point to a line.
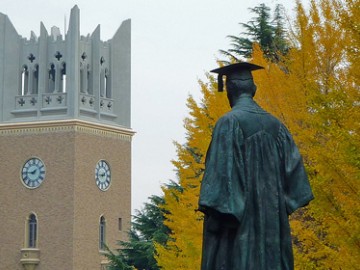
173	44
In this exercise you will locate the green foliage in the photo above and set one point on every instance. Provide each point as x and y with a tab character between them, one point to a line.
116	261
270	34
147	227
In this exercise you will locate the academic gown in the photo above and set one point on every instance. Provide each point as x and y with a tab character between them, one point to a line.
254	179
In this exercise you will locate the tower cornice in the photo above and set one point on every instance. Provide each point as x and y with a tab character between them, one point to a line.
26	128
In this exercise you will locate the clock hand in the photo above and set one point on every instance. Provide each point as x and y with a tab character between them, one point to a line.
33	171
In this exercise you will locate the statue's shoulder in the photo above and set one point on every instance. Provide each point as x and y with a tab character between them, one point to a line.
226	121
227	117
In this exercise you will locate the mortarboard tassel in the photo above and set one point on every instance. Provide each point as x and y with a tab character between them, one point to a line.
220	83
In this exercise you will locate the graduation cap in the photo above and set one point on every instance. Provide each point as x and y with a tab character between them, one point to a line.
239	71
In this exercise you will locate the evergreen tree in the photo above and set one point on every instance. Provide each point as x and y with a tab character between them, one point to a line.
270	34
147	227
280	45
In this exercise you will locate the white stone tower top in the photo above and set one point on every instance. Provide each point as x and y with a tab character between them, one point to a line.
59	78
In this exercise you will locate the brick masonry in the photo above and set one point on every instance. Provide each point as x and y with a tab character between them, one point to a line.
68	204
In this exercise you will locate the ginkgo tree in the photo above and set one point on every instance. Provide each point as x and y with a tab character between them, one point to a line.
319	70
184	249
314	90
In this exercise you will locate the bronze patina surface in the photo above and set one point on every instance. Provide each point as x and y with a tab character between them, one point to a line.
254	179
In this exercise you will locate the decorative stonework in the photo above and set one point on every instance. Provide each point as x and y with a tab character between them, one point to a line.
105	264
66	126
106	105
87	101
55	76
25	102
30	258
54	100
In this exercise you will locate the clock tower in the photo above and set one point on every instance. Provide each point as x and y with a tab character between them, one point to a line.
65	146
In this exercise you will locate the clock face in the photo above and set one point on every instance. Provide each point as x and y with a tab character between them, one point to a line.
33	173
102	175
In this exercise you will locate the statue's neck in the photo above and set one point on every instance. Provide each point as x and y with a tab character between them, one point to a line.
243	99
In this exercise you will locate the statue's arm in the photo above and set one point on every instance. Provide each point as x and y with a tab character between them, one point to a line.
222	193
296	184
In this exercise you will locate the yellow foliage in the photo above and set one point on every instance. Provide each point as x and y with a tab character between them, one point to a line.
318	100
315	91
185	222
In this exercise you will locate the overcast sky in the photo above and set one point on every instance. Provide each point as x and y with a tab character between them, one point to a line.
174	43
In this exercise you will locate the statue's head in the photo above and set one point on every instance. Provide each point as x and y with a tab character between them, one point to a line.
239	80
237	88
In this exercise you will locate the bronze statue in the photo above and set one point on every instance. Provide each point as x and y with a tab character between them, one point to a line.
254	179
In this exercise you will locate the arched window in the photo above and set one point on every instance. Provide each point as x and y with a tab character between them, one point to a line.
82	79
102	83
32	231
63	78
107	84
35	82
24	80
52	73
89	82
102	233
